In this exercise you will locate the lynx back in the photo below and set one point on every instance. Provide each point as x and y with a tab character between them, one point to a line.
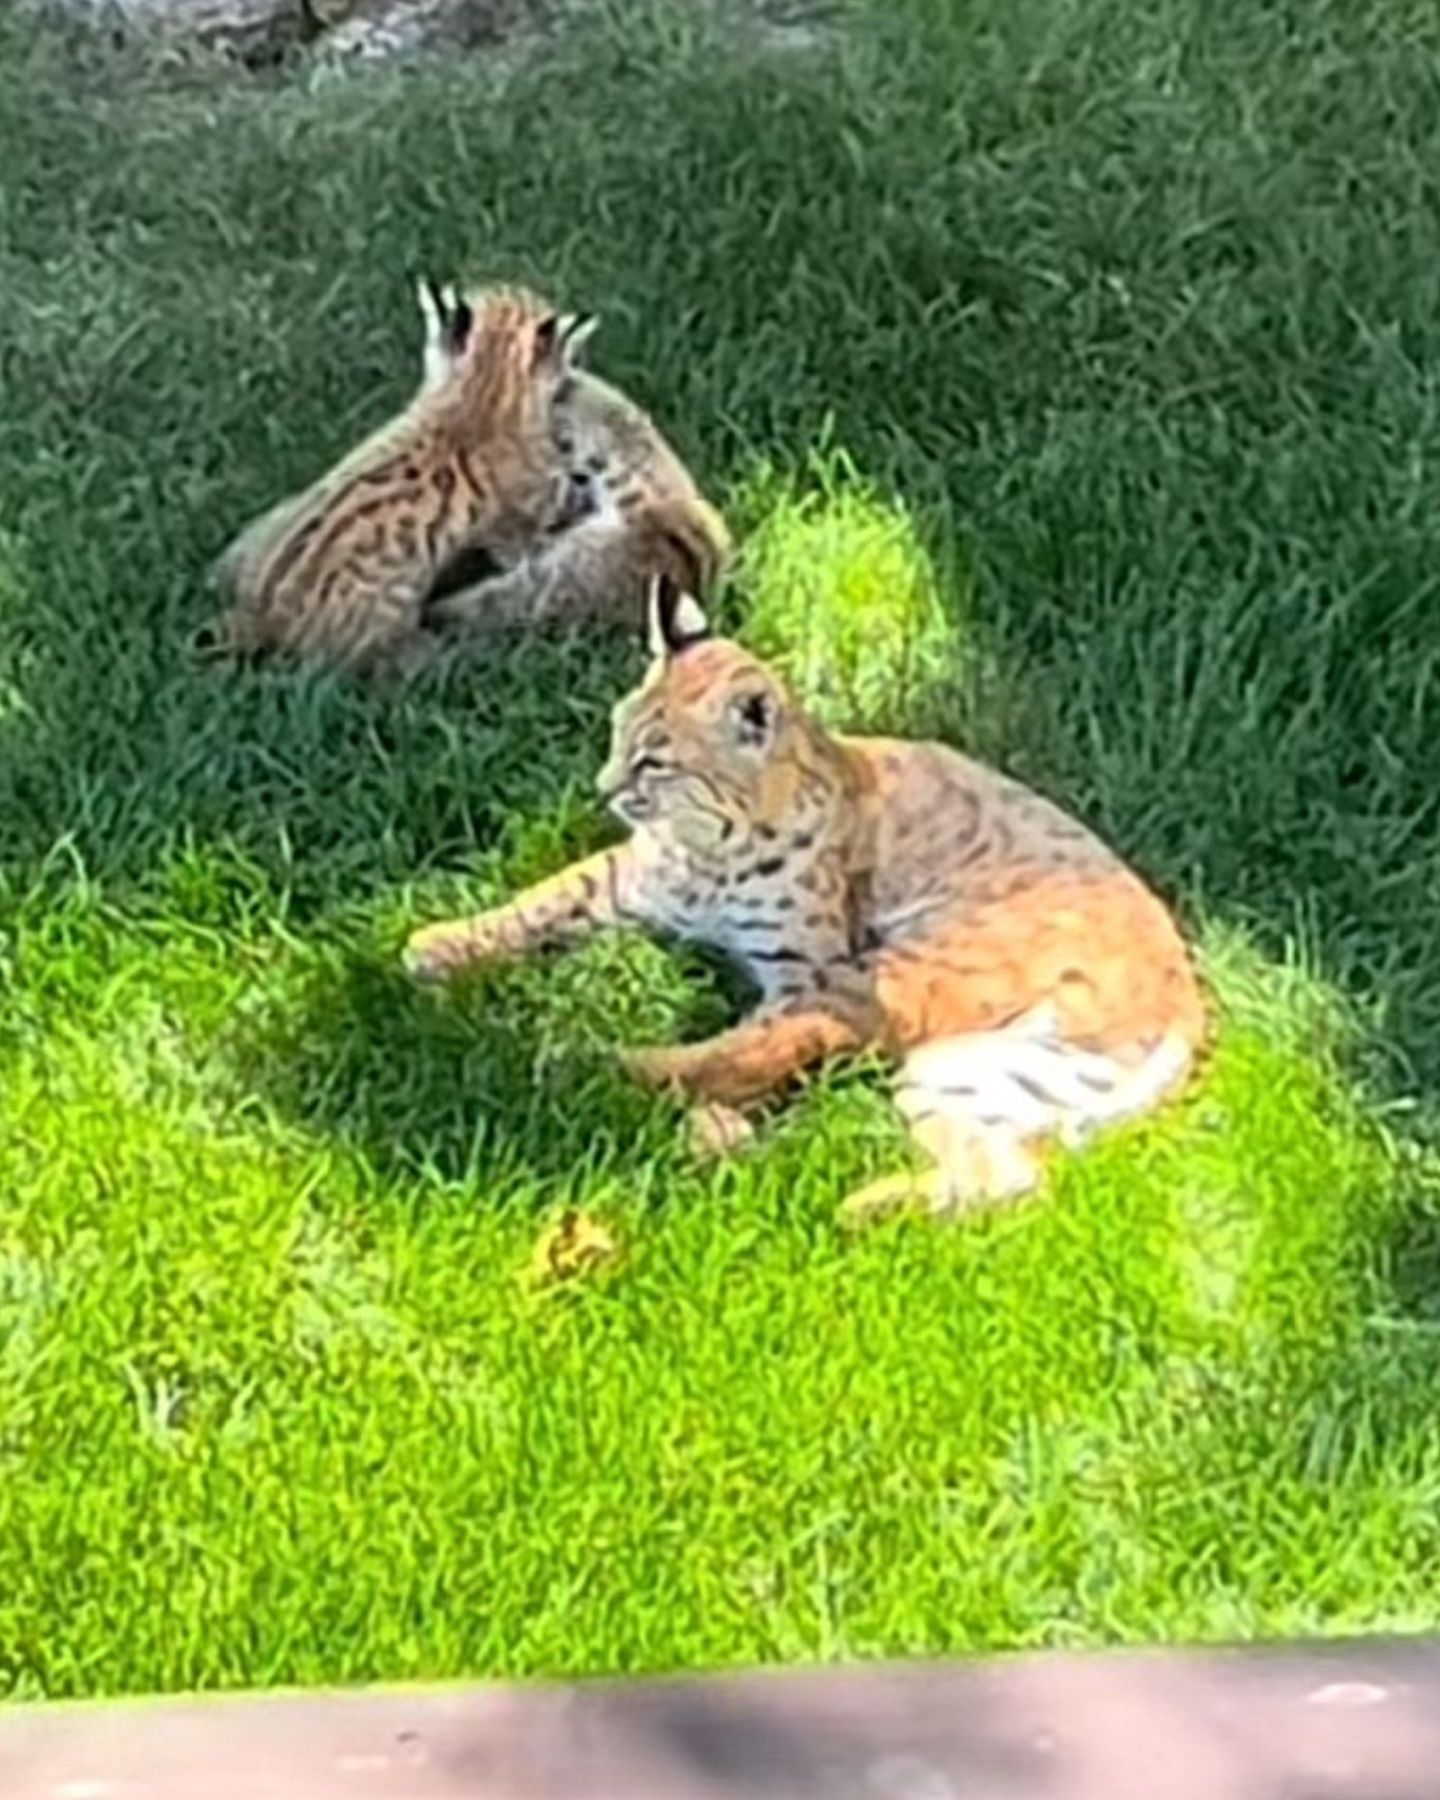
631	511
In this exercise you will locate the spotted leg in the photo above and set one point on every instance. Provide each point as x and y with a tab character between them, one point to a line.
588	896
742	1065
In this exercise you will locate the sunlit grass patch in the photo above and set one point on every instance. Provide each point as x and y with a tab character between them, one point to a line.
266	1273
844	594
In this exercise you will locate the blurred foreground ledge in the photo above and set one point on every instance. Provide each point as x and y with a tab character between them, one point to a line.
1325	1722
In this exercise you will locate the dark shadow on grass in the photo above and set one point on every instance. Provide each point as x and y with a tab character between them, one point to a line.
1408	1268
488	1083
333	791
452	1086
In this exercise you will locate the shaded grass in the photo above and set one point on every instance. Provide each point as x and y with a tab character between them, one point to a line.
1124	319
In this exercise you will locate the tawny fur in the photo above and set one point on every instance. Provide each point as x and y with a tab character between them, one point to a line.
881	894
340	573
634	512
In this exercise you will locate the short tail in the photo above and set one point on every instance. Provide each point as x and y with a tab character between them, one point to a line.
1028	1079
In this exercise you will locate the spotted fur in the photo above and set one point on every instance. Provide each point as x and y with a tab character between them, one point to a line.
881	894
633	512
341	572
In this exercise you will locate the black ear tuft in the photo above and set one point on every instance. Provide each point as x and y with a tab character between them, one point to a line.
561	335
676	618
575	332
458	325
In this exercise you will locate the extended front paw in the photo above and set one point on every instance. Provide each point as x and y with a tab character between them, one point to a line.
439	952
657	1066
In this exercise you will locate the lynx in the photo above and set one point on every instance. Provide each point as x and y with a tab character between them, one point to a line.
630	511
883	895
341	572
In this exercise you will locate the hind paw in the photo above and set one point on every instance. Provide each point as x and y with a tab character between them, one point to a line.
715	1131
881	1199
942	1195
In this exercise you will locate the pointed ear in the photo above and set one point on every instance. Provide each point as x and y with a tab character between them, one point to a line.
676	619
561	335
448	318
547	340
576	330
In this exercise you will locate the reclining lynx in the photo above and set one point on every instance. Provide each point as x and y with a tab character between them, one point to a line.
880	894
483	471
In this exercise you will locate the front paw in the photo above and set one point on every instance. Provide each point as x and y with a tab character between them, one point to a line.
437	953
657	1066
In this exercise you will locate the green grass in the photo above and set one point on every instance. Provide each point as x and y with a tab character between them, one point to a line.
1112	330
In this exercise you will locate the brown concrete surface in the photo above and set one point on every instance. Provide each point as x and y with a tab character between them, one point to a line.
1342	1722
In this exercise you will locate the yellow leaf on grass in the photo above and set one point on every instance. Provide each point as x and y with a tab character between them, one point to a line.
573	1245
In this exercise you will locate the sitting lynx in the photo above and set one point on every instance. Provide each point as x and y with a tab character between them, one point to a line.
879	893
340	572
629	511
455	512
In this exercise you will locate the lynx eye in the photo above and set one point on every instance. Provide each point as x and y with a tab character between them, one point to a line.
564	443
